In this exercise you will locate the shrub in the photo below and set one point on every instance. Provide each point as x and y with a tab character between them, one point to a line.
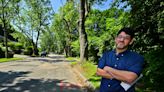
16	47
11	45
154	70
28	50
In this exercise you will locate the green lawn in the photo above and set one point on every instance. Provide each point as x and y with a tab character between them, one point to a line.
9	59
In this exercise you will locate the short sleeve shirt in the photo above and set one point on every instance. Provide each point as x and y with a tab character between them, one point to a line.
127	60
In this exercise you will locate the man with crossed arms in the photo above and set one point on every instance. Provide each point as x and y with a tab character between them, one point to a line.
120	64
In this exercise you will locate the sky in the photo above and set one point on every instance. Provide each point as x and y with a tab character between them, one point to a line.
56	4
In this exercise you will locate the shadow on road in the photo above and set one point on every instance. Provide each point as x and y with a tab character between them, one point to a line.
56	56
33	85
9	77
50	59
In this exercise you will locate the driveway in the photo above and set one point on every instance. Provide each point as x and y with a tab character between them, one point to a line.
39	74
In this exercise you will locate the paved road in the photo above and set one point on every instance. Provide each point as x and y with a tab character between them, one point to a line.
48	74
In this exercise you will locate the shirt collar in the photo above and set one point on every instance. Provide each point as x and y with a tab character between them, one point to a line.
122	53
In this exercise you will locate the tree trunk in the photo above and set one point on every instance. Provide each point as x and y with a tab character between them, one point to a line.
5	42
82	33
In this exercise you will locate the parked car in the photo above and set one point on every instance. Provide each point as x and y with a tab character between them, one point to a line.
44	54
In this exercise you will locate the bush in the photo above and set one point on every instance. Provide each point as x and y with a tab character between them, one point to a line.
28	50
11	45
154	70
16	47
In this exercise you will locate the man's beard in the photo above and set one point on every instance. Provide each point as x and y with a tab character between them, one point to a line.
121	46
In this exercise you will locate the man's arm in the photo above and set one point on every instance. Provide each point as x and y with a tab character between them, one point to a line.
121	75
103	73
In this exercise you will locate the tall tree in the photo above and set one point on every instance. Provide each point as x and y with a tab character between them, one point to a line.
36	16
8	8
65	25
85	7
82	33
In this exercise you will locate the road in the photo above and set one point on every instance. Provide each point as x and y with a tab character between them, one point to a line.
39	74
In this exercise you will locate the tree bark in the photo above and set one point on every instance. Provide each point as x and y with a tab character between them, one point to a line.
82	33
5	42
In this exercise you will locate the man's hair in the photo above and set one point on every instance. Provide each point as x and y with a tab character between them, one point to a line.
128	31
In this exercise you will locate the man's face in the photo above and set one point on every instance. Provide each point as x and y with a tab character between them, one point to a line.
123	40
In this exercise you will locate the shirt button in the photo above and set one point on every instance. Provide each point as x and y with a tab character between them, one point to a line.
122	54
115	65
117	58
108	85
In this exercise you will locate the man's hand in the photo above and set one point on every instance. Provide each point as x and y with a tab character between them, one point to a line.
125	76
103	73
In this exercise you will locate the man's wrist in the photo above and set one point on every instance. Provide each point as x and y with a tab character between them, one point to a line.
112	76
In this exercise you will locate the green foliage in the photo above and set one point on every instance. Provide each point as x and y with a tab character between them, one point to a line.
33	19
48	42
22	39
28	50
75	48
65	27
9	59
15	47
89	69
154	70
101	27
11	45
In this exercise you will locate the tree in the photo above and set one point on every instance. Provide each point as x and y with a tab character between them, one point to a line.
48	41
65	25
85	7
7	11
34	18
82	33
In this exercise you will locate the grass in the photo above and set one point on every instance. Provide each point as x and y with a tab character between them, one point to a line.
9	59
73	59
89	71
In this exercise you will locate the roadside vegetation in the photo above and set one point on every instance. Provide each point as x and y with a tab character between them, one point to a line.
88	70
9	59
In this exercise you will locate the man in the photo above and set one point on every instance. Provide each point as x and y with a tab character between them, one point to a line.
120	65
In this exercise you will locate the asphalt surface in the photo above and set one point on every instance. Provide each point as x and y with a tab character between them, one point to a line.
39	74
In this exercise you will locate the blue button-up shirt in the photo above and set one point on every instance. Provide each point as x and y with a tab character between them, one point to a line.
127	60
